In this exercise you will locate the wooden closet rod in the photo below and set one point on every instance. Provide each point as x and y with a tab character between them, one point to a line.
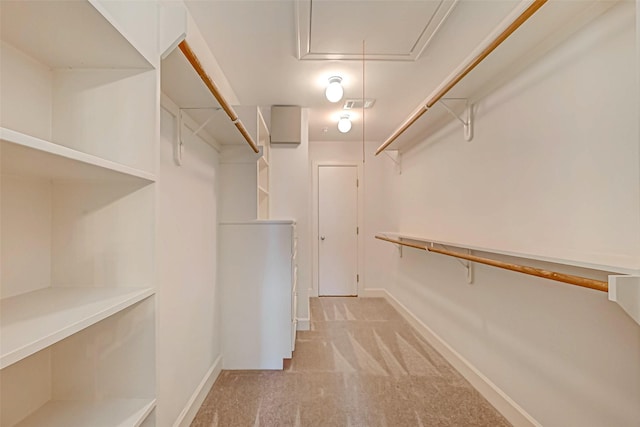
195	63
533	8
399	242
532	271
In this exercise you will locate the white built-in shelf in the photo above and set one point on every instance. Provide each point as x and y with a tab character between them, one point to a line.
66	34
264	163
547	28
182	84
35	320
262	191
102	413
601	262
26	155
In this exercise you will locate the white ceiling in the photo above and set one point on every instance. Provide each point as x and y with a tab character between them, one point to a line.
256	44
324	34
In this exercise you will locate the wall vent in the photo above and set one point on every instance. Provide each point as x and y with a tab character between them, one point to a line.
351	104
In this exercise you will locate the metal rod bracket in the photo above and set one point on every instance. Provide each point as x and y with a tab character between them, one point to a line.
206	122
468	265
467	124
396	158
179	148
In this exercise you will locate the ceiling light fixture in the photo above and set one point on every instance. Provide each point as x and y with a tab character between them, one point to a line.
344	124
334	91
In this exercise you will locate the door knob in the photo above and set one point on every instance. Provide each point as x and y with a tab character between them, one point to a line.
321	237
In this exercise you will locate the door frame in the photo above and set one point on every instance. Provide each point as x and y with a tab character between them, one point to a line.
315	212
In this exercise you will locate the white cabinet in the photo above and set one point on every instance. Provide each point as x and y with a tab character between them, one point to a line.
78	155
257	287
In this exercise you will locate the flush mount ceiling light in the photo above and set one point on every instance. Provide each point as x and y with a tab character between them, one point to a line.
334	91
344	124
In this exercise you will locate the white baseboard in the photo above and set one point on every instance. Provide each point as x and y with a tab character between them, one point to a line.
499	399
373	293
195	401
304	324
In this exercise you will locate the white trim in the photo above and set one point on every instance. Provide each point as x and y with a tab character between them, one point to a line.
304	324
190	410
515	414
145	414
314	221
374	293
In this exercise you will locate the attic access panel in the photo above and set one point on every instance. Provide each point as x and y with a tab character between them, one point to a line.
394	30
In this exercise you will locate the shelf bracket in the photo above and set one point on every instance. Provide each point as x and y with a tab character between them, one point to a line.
467	124
625	291
179	148
468	265
395	158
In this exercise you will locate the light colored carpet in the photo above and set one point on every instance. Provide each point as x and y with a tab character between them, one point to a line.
360	365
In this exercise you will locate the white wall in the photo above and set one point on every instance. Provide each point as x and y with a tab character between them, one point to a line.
27	96
553	169
26	229
187	310
289	198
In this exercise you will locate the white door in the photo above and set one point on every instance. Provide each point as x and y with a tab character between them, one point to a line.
337	230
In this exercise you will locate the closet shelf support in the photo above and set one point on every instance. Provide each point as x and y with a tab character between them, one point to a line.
397	159
467	125
179	148
206	122
468	265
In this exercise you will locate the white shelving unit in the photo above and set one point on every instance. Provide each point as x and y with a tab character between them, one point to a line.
27	155
547	28
245	175
623	288
78	147
614	264
35	320
182	84
262	173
